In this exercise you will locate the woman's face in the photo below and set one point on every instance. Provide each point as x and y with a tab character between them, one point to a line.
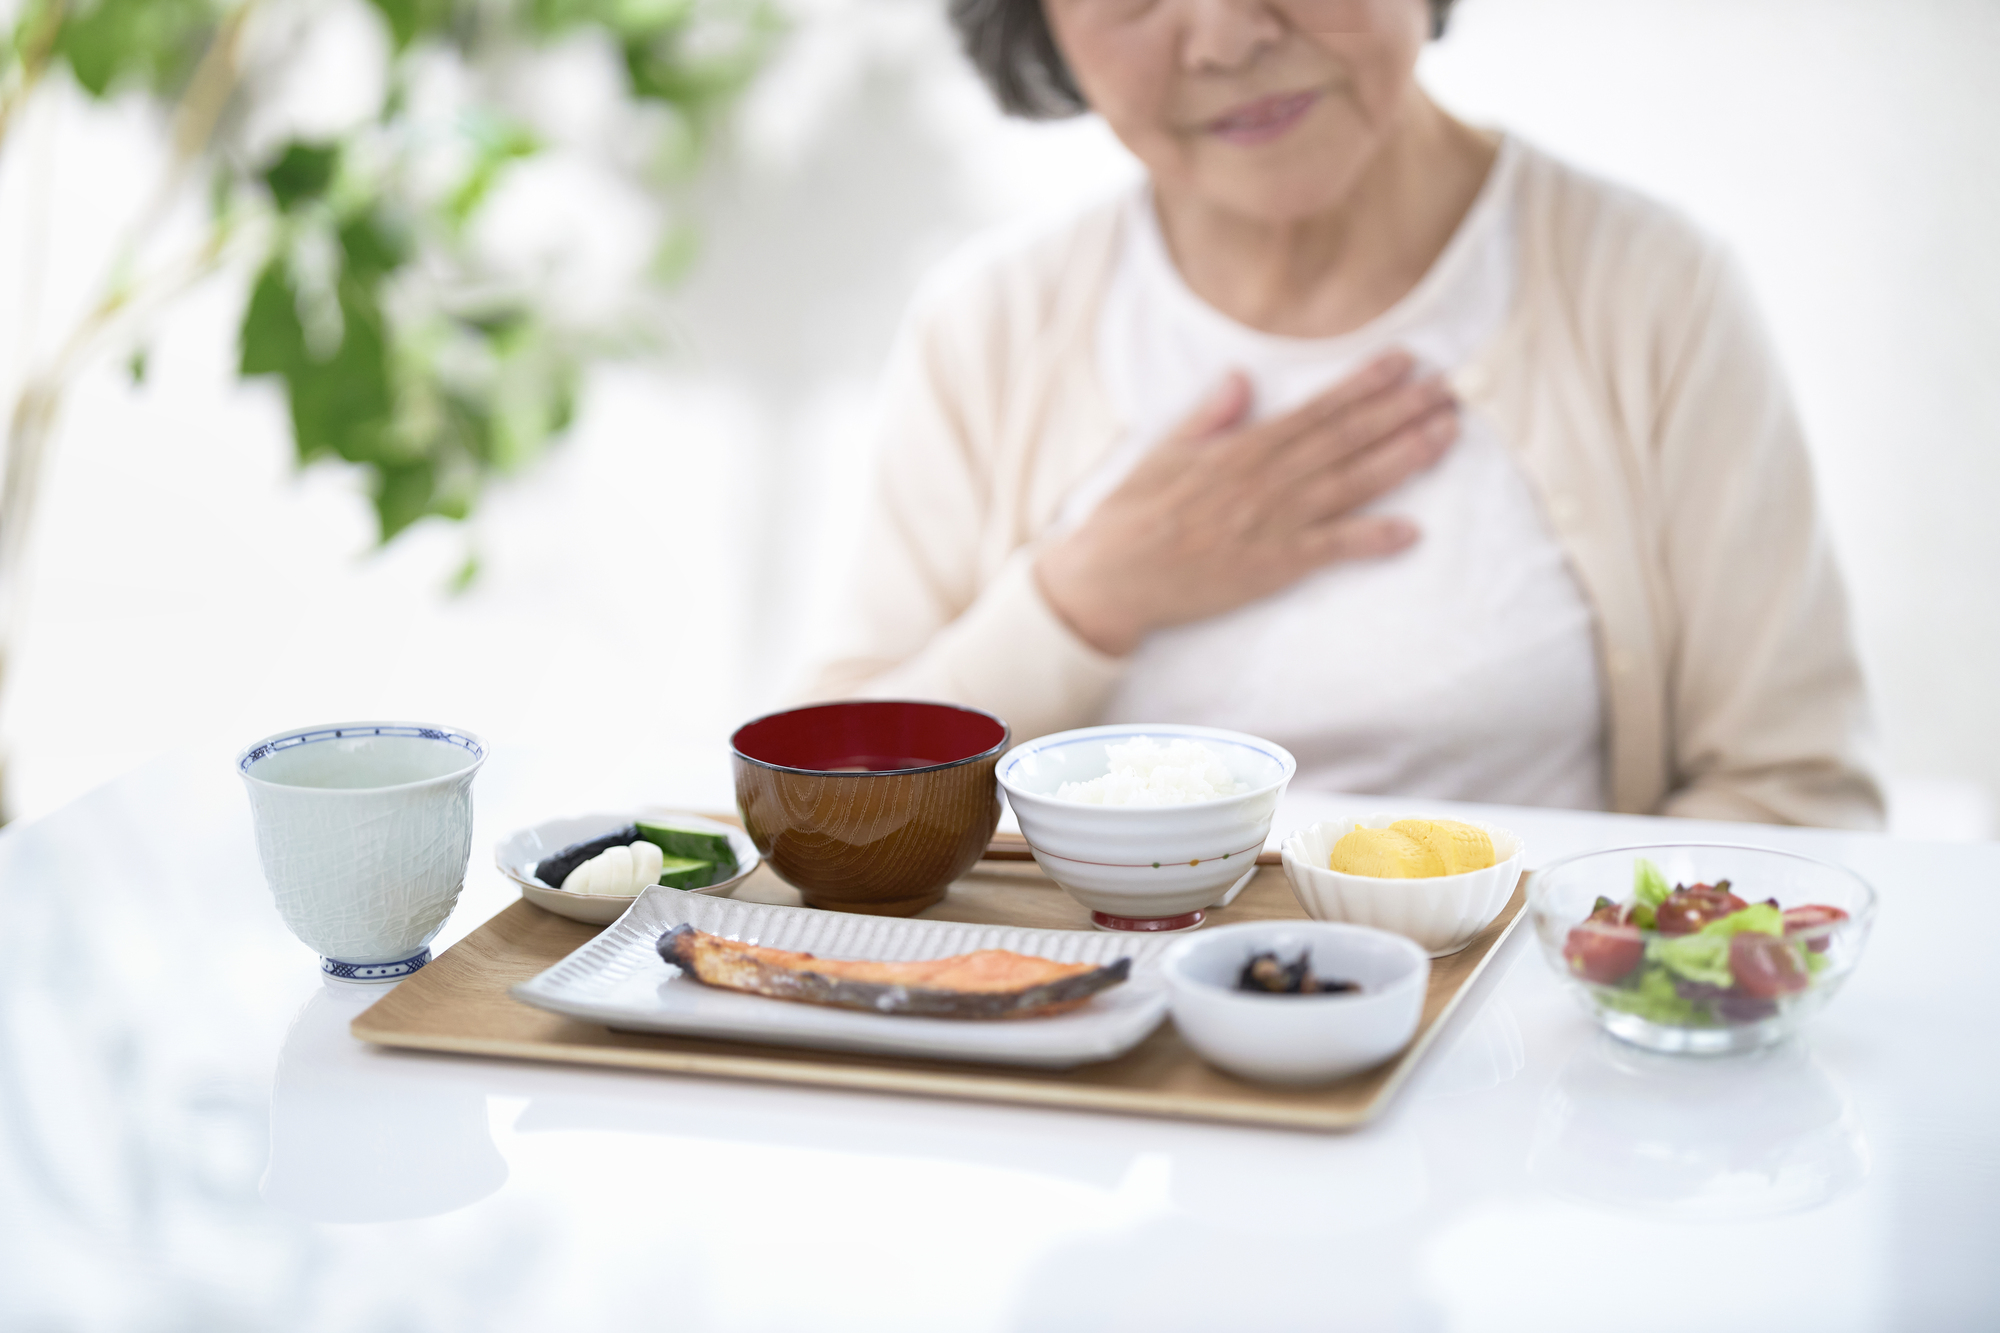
1269	108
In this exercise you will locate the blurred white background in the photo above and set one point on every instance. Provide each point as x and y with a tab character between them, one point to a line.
659	580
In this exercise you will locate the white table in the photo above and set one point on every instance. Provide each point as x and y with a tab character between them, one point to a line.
190	1139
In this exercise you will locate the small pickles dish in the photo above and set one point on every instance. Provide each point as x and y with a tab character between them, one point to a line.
520	854
1297	1038
1440	912
1701	948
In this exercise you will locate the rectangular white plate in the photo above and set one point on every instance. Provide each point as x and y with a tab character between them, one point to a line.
620	980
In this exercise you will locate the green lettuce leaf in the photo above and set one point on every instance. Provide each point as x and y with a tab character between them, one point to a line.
1698	957
1649	886
1759	917
1704	955
1655	1000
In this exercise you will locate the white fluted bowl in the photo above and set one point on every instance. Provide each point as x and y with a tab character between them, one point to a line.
1147	868
1441	913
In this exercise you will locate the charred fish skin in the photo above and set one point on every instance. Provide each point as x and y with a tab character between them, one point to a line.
723	963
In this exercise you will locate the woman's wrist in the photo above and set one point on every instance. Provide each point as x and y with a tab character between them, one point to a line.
1078	601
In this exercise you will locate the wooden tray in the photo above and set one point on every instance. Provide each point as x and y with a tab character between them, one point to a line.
460	1003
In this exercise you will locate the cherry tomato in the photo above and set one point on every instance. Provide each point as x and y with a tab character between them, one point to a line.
1727	1003
1766	966
1603	953
1687	910
1815	921
1735	1008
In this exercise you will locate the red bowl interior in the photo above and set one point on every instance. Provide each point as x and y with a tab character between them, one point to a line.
869	736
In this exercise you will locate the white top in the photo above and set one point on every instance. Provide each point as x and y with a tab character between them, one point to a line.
1462	668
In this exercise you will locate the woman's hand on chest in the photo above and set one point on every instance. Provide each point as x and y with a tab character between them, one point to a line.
1222	513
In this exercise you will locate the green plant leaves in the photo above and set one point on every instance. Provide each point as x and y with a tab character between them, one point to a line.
302	173
411	19
403	495
699	60
497	144
154	42
431	411
403	350
372	245
341	405
272	339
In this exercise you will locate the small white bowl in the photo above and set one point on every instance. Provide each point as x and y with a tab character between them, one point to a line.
1147	868
1297	1038
519	853
1442	913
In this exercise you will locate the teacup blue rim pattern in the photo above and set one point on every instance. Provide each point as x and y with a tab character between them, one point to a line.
395	971
414	730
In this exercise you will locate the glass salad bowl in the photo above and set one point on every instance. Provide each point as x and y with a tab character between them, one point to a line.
1704	948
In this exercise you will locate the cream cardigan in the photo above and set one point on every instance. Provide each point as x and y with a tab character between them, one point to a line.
1632	380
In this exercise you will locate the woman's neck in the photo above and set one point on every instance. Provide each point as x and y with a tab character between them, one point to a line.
1331	272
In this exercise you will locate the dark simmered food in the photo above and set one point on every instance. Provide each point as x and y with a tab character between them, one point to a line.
1265	974
555	869
990	983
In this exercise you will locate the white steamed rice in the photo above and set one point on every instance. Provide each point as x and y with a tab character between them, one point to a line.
1145	772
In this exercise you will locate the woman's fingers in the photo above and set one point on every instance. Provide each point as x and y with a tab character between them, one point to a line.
1226	405
1367	424
1357	537
1227	513
1384	375
1385	372
1354	481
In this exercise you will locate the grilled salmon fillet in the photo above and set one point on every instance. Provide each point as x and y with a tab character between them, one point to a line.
992	983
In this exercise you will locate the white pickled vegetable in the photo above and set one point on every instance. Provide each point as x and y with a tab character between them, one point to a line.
647	862
618	872
613	871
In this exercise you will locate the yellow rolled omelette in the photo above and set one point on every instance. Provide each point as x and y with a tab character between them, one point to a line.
1413	849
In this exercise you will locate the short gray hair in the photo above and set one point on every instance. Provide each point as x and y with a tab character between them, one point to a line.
1009	43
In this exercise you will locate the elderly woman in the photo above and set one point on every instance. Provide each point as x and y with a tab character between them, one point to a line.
1456	471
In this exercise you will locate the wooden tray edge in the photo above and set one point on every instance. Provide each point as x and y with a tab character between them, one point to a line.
989	1086
897	1082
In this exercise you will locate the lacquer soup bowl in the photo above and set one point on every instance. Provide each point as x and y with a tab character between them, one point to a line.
870	805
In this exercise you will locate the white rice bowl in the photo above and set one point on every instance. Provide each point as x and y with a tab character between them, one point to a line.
1145	772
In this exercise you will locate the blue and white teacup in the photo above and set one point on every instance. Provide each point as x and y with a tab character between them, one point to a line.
365	830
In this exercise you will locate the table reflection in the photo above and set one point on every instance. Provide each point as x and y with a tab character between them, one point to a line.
1487	1053
1701	1138
360	1136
